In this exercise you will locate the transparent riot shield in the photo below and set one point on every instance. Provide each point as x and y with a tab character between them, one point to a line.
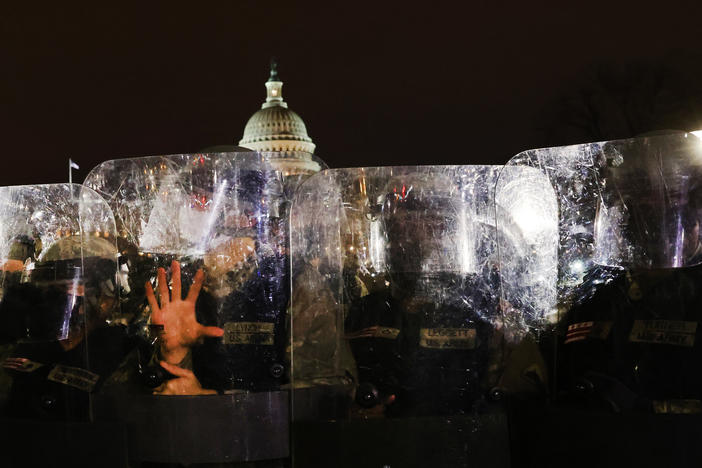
203	242
393	316
59	301
612	235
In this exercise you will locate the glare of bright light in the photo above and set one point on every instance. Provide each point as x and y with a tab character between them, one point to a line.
577	267
530	218
377	245
466	244
698	134
212	215
528	198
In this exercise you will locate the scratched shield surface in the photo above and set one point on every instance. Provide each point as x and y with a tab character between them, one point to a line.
610	243
224	213
395	302
58	282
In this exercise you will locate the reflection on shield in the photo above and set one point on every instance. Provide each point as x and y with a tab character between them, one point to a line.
395	306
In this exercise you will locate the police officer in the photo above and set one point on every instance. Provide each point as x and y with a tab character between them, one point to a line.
22	251
421	344
60	318
246	292
631	340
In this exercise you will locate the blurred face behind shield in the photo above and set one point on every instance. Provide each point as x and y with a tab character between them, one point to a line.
421	226
648	215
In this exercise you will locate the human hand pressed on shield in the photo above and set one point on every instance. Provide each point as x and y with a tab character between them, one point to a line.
180	328
183	383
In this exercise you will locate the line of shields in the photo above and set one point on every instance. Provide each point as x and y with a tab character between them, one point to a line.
216	309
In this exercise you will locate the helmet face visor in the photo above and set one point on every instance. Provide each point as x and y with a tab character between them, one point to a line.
434	224
648	214
421	241
639	235
569	210
44	309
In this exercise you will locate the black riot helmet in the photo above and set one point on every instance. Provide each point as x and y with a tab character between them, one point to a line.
72	282
22	250
648	210
428	232
24	247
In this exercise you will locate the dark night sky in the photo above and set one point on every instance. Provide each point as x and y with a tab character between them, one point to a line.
376	83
